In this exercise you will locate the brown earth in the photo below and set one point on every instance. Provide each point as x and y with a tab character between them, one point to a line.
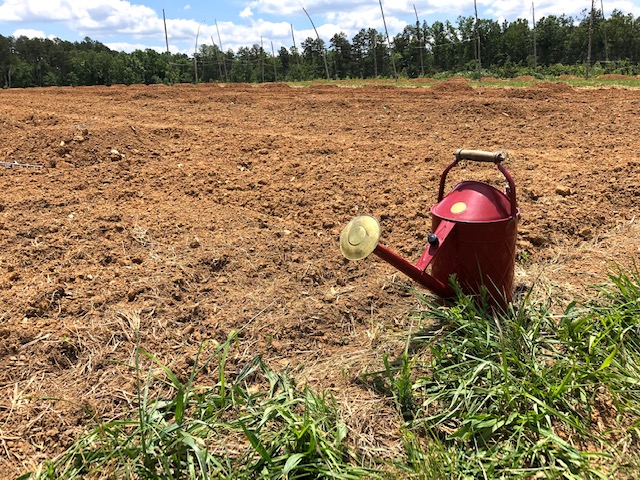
613	76
186	212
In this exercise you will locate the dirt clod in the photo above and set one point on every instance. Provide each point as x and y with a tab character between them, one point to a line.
563	190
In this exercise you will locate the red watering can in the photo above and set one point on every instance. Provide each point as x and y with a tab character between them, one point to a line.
473	237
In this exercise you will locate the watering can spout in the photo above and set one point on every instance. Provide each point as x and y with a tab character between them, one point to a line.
413	272
359	239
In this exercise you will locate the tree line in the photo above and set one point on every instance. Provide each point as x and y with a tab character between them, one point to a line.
557	45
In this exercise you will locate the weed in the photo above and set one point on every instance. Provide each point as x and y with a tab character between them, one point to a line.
255	425
524	393
521	393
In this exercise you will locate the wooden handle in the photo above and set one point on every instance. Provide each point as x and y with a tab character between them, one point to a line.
480	156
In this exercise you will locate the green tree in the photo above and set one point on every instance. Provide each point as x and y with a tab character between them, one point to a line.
517	42
340	55
22	74
562	46
554	37
465	42
285	60
369	54
492	50
210	63
442	42
313	51
406	46
8	60
244	66
623	37
360	52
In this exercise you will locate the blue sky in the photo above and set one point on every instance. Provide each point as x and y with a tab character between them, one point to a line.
131	24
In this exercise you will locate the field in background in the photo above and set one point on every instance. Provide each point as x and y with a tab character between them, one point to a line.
169	216
601	81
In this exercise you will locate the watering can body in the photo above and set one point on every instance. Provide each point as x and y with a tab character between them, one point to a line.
479	248
474	230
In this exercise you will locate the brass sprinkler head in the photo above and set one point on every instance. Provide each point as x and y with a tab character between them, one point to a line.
359	238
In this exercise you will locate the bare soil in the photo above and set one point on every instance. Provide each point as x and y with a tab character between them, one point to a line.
187	212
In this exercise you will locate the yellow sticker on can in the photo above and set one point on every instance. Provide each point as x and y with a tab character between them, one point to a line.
458	207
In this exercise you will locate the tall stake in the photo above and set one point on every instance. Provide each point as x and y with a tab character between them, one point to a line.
195	55
479	65
219	62
419	40
604	31
166	39
375	52
275	71
324	55
586	74
293	37
393	60
262	58
224	63
535	51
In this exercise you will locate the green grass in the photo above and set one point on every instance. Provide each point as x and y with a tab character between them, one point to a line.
526	393
630	81
256	425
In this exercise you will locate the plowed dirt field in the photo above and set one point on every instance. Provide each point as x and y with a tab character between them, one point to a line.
186	212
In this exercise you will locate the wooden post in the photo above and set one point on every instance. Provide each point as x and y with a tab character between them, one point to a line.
324	55
604	31
195	56
224	63
166	39
535	51
293	37
479	64
588	67
262	58
275	71
419	40
219	66
393	60
375	53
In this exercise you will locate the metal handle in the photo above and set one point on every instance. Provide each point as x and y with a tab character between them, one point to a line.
480	156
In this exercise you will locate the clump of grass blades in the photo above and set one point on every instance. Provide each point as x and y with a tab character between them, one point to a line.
513	394
255	425
612	334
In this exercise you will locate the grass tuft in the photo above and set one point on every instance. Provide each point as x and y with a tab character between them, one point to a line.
254	425
480	393
524	392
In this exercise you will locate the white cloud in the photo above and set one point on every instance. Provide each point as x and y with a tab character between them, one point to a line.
367	17
99	16
505	9
510	10
185	30
130	47
129	24
8	14
235	36
29	33
349	17
35	11
276	7
326	8
107	16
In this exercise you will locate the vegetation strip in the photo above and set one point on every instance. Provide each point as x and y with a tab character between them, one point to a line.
508	51
519	394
